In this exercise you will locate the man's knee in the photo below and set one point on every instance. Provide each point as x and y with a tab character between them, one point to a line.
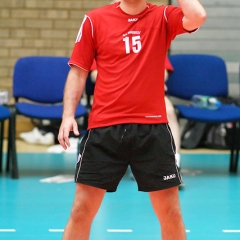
81	210
86	203
174	213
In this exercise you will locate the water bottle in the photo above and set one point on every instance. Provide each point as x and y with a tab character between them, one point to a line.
207	102
4	97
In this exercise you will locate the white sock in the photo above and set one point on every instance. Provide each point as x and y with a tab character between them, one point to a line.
177	158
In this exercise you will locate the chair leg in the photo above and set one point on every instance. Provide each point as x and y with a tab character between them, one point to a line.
1	143
8	159
12	155
235	147
237	144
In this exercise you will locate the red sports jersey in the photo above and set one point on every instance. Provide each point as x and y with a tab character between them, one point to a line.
168	65
130	53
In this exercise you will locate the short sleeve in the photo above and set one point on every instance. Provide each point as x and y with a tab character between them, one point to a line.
174	17
94	66
168	65
83	51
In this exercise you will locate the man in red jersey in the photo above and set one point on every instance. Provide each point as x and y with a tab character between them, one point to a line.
171	114
128	123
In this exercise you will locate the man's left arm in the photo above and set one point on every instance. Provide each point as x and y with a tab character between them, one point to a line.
194	14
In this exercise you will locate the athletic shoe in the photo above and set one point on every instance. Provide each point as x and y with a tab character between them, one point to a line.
36	137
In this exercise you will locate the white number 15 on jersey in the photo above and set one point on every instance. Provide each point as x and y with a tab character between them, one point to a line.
136	44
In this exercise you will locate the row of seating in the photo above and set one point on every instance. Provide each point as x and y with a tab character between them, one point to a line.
204	75
40	80
38	87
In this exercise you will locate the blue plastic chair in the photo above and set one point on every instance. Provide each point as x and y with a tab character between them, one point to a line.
204	75
38	87
5	114
41	80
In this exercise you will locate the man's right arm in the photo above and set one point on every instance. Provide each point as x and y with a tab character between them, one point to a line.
72	93
194	14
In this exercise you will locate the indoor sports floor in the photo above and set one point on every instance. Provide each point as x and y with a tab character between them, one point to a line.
37	205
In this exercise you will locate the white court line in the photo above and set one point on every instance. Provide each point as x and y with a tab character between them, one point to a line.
7	230
56	230
119	230
231	231
108	230
129	230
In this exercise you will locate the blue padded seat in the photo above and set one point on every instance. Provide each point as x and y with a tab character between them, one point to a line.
226	113
42	111
4	113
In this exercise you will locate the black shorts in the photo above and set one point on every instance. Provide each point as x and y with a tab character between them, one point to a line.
105	154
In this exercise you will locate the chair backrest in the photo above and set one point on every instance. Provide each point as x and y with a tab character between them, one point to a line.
40	78
197	74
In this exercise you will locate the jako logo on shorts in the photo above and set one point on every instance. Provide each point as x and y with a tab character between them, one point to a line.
165	178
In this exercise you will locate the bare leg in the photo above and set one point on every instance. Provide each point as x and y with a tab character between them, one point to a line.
167	208
174	125
85	206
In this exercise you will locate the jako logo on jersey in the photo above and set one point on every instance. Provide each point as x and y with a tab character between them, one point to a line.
132	19
169	177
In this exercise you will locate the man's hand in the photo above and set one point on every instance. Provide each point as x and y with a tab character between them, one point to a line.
68	125
72	93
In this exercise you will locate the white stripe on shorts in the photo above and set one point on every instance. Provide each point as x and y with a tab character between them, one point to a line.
80	159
